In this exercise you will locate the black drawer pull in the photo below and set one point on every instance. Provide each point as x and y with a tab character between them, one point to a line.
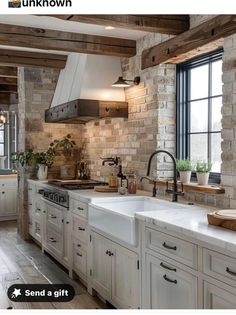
3	192
167	267
169	280
52	216
38	209
52	240
80	255
78	245
107	252
81	229
81	209
30	204
232	273
169	247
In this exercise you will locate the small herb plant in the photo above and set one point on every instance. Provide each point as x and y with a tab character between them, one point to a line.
184	165
203	167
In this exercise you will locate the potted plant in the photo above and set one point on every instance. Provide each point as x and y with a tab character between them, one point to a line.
44	160
65	146
184	167
202	169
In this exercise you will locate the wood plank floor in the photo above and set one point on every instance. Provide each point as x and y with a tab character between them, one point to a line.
23	262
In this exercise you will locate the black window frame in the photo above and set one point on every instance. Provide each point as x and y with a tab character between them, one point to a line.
182	108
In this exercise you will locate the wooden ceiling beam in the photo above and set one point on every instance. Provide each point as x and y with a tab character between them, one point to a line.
30	37
31	59
10	72
165	24
8	88
8	81
211	31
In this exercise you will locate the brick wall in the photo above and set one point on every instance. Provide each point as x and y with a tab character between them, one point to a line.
151	121
36	89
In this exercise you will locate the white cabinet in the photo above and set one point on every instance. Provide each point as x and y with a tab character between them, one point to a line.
218	298
114	272
125	277
8	199
168	287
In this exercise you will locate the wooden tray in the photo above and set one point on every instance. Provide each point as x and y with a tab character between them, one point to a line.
106	189
223	218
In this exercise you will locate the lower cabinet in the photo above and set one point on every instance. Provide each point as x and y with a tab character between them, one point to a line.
168	287
218	298
8	199
114	272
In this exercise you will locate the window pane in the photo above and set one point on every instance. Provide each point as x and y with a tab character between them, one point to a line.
1	149
216	114
199	82
198	147
216	151
217	78
199	116
1	136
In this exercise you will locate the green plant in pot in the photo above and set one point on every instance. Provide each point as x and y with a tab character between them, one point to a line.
184	167
44	160
202	169
66	147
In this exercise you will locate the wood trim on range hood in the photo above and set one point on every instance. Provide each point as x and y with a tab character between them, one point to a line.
81	111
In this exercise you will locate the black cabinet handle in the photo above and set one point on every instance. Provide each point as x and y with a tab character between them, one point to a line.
81	209
78	245
169	247
169	280
52	216
107	252
81	229
80	255
167	267
3	192
52	240
232	273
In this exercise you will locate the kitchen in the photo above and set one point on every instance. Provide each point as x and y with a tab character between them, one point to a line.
74	228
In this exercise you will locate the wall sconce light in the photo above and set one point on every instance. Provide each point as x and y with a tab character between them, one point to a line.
123	83
3	117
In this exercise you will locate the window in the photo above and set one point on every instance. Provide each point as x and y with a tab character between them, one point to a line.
199	102
8	138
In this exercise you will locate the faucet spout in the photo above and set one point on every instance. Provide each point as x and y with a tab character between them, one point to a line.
175	191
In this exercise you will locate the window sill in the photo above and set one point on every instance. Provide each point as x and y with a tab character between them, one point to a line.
193	186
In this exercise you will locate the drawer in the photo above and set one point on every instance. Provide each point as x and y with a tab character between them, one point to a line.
38	207
80	228
54	242
79	207
180	250
219	266
79	259
55	218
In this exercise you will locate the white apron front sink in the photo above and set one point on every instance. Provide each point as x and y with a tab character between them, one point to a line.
116	216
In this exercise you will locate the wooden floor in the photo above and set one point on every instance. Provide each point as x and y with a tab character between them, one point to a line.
23	262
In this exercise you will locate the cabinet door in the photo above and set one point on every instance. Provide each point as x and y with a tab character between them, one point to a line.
125	277
217	298
101	265
168	287
8	199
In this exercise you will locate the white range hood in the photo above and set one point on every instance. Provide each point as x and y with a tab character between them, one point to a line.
84	90
89	77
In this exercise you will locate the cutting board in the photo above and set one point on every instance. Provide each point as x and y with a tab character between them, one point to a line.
106	189
223	218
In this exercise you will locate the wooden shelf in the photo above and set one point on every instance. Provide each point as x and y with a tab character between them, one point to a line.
210	189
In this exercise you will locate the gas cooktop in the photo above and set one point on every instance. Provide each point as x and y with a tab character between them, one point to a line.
76	184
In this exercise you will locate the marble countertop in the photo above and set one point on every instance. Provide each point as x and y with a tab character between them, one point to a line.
192	223
88	195
10	176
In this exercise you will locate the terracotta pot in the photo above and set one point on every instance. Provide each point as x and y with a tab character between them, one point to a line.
202	178
185	177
